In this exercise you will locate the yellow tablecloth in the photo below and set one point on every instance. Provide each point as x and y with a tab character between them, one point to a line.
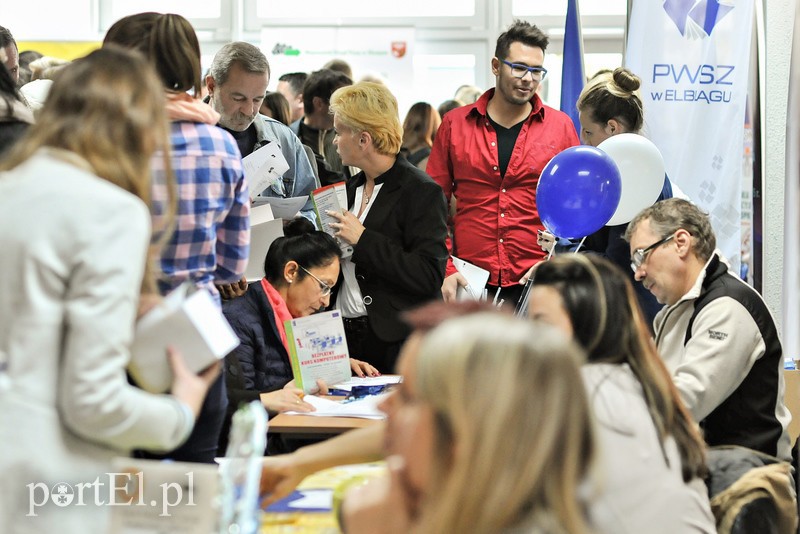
317	522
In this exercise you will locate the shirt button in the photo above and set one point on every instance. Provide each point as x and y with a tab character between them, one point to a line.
502	215
493	143
504	190
495	167
501	240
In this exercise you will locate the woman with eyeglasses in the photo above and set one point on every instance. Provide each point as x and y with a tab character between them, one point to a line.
300	269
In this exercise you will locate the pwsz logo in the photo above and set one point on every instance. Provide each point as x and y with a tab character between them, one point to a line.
696	19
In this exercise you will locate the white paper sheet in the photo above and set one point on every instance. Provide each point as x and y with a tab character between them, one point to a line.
365	408
264	167
476	280
316	498
261	237
282	208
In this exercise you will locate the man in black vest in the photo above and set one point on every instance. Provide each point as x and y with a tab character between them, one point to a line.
715	334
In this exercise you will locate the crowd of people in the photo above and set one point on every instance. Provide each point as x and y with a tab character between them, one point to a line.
592	411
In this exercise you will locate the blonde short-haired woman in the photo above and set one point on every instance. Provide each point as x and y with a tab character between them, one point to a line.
75	232
396	223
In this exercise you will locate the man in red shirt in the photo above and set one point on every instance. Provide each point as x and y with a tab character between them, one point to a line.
489	155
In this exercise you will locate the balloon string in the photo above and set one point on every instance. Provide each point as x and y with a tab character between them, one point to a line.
580	245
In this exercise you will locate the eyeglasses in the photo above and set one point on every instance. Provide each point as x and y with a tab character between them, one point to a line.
519	71
640	254
324	288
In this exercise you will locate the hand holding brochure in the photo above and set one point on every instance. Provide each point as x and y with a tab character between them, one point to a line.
331	198
188	320
318	349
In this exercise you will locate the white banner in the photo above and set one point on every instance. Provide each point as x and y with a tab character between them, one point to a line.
384	53
693	57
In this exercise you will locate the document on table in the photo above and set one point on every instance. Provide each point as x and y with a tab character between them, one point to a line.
364	408
264	167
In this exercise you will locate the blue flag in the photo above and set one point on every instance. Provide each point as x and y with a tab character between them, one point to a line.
572	77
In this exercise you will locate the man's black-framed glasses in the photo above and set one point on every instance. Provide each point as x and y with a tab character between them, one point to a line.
324	288
519	71
640	254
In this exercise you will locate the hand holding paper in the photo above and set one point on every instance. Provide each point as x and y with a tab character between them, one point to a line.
264	168
347	227
475	277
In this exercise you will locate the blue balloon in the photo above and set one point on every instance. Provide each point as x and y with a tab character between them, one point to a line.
578	192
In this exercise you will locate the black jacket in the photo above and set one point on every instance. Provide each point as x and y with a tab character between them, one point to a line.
401	256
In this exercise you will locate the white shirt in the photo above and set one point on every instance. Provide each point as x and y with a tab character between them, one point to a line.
350	300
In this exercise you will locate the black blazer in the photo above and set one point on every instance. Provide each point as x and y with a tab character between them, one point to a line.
401	257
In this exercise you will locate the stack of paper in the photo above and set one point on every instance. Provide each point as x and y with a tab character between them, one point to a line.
264	229
188	320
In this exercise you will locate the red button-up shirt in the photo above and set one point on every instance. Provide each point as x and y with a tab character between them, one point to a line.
496	218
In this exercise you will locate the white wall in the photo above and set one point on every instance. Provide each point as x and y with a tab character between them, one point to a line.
779	25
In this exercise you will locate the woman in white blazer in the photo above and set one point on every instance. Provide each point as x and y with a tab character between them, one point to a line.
74	236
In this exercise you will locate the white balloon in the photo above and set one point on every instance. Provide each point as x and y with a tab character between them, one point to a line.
641	170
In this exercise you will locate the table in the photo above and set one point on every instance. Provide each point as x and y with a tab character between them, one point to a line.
315	427
301	426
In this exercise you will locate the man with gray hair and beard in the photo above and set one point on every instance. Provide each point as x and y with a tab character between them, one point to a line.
237	83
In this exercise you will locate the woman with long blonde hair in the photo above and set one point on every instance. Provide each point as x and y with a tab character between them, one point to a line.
75	231
489	432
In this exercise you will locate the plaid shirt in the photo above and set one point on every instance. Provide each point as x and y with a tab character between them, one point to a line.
211	240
